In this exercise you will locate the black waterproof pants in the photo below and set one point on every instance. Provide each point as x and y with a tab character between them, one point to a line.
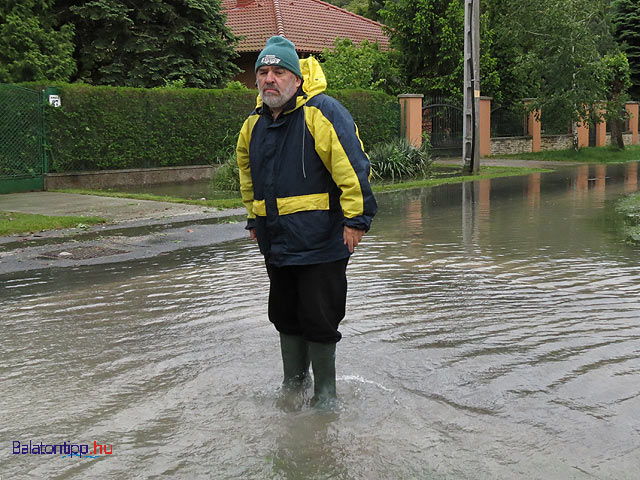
309	300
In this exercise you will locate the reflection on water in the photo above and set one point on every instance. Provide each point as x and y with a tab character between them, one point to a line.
631	178
492	332
195	190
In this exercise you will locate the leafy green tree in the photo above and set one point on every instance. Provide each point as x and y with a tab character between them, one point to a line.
428	37
373	10
359	66
626	17
506	48
560	48
152	43
32	47
355	6
490	76
619	80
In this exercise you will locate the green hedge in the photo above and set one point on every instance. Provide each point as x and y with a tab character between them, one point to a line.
376	114
103	128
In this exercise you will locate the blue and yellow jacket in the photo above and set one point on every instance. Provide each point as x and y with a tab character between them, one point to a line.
304	175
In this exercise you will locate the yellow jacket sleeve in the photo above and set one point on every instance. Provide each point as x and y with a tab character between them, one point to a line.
244	167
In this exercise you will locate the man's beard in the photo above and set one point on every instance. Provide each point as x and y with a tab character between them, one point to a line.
281	98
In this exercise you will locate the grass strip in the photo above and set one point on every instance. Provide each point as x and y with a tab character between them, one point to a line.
14	222
485	173
586	155
220	203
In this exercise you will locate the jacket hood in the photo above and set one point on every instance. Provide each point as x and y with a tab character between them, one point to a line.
314	82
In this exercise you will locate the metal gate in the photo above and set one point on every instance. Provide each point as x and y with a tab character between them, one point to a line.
22	139
592	134
442	121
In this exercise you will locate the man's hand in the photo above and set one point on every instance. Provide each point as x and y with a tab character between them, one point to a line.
252	234
352	237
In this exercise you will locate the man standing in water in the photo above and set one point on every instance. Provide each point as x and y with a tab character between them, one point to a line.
304	179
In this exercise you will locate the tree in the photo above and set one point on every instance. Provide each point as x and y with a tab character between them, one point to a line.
560	48
563	53
428	37
32	46
626	17
359	66
356	6
373	10
490	76
506	48
619	81
152	43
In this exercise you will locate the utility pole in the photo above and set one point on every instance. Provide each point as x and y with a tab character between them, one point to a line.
470	126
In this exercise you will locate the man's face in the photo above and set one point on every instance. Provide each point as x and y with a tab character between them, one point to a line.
276	85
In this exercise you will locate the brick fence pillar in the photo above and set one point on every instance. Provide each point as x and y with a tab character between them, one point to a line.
411	117
534	128
583	134
632	109
485	125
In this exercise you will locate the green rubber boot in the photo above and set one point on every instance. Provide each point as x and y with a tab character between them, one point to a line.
323	362
295	360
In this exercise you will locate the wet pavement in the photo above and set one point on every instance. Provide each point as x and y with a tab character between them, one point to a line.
113	209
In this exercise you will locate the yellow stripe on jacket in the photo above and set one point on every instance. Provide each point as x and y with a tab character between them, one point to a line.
289	205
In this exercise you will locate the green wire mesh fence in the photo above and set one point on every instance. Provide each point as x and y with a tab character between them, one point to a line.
22	153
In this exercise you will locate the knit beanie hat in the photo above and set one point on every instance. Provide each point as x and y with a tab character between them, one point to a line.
281	52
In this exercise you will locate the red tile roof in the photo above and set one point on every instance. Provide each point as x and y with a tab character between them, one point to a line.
312	25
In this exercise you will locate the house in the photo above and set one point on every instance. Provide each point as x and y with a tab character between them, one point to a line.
312	25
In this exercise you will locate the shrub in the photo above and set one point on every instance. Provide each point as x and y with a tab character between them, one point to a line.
399	159
236	85
628	218
226	176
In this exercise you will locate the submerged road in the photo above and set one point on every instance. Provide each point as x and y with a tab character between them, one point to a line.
491	333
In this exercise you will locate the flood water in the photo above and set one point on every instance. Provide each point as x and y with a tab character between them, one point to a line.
194	190
492	332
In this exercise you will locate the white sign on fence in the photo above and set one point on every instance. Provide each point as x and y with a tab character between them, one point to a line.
54	100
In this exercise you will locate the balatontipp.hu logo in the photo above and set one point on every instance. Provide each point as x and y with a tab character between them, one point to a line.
65	449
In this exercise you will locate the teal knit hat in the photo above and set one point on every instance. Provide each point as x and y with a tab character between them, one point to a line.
281	52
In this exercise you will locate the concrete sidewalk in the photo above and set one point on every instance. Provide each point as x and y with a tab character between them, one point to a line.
112	209
134	229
